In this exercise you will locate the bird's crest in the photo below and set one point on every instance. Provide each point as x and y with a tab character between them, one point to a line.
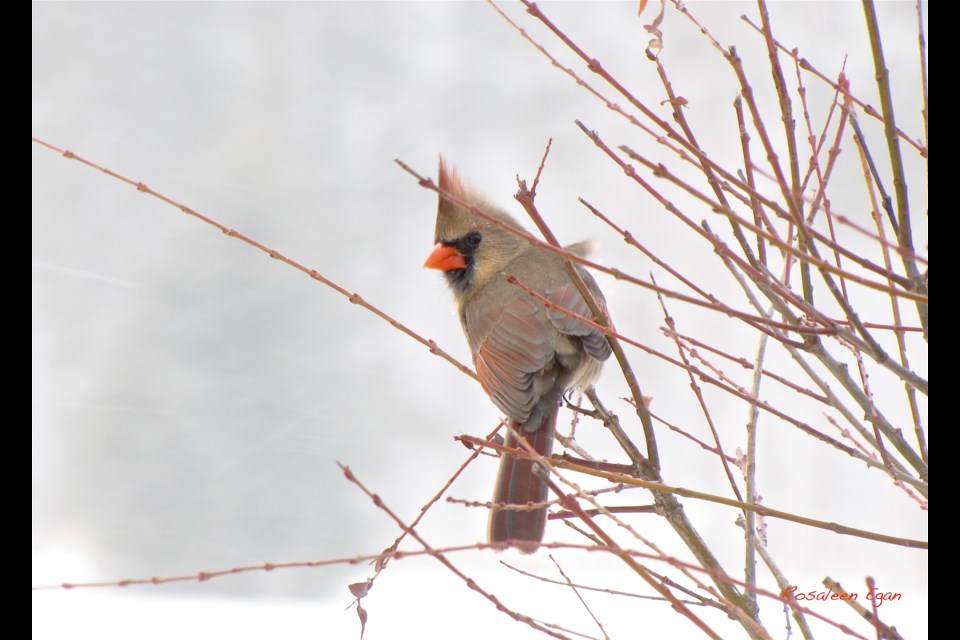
454	220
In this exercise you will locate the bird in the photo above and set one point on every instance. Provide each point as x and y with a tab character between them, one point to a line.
527	355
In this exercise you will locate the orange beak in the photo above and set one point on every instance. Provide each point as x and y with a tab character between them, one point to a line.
445	258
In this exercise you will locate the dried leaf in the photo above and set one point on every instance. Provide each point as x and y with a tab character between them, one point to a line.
362	614
360	589
656	43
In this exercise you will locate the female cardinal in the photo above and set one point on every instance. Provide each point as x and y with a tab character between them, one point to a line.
525	353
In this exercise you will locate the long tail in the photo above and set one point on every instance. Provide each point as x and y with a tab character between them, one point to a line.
517	484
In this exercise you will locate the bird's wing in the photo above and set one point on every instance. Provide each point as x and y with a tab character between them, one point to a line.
513	339
568	297
511	344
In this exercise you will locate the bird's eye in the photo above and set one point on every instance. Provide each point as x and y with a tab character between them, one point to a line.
474	239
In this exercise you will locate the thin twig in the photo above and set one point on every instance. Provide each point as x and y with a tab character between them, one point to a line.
354	298
871	111
698	392
576	592
526	199
441	557
905	232
763	510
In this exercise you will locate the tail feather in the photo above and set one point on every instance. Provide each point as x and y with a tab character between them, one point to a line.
518	484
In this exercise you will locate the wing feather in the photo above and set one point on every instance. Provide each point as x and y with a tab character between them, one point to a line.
516	340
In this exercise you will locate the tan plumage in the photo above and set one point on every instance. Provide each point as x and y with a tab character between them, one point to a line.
526	355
